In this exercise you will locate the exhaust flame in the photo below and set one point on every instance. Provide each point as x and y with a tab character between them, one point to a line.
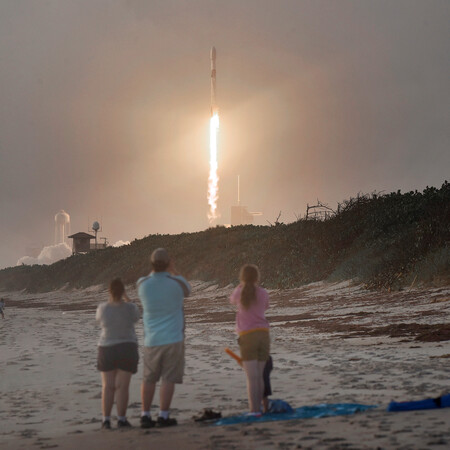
213	180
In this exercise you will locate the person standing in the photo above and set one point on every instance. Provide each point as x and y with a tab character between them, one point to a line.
2	307
253	329
117	351
162	296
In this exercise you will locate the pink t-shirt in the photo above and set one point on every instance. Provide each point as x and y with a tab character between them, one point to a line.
249	319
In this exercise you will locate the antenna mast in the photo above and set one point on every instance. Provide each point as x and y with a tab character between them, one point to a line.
239	196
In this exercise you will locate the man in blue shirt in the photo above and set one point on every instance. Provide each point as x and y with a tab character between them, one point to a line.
162	295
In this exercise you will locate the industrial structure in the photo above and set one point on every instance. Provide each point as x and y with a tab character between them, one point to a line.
239	213
82	241
62	227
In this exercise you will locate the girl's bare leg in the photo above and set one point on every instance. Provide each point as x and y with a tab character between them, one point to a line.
108	388
255	384
122	385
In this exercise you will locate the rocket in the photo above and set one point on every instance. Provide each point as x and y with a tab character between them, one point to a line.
214	108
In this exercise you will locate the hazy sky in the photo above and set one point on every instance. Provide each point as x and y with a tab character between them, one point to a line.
104	109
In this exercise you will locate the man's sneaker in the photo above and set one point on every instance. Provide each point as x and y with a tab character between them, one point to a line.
123	424
106	425
147	422
169	422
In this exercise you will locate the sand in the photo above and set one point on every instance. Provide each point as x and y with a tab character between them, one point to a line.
331	343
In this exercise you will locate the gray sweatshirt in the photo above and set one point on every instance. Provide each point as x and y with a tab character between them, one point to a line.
117	321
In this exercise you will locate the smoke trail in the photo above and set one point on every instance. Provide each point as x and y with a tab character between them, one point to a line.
48	255
213	180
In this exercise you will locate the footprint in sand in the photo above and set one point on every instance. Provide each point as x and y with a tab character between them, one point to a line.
28	433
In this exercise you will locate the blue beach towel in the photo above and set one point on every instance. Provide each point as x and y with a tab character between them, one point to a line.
428	403
304	412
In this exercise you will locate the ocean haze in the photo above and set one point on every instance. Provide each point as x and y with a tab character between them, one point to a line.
104	109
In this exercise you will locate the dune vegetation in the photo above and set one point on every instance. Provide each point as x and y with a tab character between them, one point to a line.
385	241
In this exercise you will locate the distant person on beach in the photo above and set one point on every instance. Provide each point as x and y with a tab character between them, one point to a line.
117	351
253	329
2	307
162	295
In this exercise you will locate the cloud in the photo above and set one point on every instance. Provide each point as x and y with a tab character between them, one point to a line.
48	255
119	243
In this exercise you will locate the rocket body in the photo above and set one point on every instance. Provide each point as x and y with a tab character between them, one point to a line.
214	108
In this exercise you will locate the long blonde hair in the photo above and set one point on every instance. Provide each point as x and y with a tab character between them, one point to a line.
249	277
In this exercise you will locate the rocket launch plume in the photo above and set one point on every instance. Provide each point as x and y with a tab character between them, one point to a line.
213	180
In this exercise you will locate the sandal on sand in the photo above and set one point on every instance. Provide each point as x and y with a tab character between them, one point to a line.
207	415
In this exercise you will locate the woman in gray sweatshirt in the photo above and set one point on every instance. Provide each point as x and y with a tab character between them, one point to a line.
117	351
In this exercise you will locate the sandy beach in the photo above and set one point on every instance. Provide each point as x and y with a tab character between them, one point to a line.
331	343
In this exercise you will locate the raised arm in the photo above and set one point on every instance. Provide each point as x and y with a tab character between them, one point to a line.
98	313
235	296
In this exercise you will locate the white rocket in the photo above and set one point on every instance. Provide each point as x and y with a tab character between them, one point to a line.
214	108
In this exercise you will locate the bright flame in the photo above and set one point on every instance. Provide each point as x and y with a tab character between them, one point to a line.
213	180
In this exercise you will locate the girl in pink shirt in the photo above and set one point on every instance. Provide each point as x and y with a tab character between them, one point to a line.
253	330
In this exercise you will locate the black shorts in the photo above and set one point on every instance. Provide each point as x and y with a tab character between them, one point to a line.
266	377
123	356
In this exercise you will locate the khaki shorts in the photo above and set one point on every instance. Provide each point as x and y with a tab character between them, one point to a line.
255	345
164	361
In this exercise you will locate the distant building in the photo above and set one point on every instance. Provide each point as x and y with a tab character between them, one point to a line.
240	216
81	242
239	213
97	246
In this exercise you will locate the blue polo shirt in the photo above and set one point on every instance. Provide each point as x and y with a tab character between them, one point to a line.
162	296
